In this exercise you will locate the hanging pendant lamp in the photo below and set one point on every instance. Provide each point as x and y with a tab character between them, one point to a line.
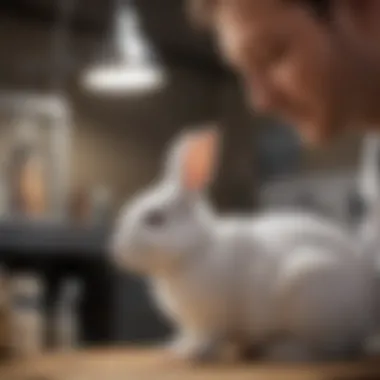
133	70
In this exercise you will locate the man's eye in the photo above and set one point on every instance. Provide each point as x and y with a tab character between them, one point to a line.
155	219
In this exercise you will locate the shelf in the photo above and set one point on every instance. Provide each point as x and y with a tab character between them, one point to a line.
52	238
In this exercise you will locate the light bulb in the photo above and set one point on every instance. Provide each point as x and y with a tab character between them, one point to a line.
119	79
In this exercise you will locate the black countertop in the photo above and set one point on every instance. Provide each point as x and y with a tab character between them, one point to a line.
47	238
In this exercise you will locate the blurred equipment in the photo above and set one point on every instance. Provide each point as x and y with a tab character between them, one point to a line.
5	316
130	66
66	319
37	164
27	314
35	176
27	173
4	194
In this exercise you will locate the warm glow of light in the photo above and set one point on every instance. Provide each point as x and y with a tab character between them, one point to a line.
123	78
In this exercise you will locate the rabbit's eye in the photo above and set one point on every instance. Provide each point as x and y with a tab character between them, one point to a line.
155	218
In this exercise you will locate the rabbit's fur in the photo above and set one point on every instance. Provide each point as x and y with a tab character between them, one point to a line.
292	284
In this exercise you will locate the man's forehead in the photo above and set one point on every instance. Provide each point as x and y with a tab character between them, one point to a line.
255	25
251	15
253	8
260	19
253	19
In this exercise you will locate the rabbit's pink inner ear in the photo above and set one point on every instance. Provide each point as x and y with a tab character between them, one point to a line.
199	160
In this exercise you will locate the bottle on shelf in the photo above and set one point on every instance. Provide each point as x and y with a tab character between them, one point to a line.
27	172
5	317
28	324
66	317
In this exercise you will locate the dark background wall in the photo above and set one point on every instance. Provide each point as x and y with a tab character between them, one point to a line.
128	158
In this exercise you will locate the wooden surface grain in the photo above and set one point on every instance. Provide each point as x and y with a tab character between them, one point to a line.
140	364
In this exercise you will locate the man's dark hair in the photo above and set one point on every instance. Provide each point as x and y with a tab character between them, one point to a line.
202	10
320	7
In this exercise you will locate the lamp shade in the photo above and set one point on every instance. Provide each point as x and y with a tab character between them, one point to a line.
133	70
118	79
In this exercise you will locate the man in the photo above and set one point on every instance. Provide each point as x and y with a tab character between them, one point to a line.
316	63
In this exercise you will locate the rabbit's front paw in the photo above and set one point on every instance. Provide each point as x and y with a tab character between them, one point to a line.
183	345
180	346
205	351
193	349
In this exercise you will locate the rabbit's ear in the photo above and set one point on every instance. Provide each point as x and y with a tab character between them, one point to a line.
198	162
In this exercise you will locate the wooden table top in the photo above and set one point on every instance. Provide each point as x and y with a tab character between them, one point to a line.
140	364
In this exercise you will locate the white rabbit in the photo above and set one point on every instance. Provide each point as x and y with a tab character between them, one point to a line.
292	284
